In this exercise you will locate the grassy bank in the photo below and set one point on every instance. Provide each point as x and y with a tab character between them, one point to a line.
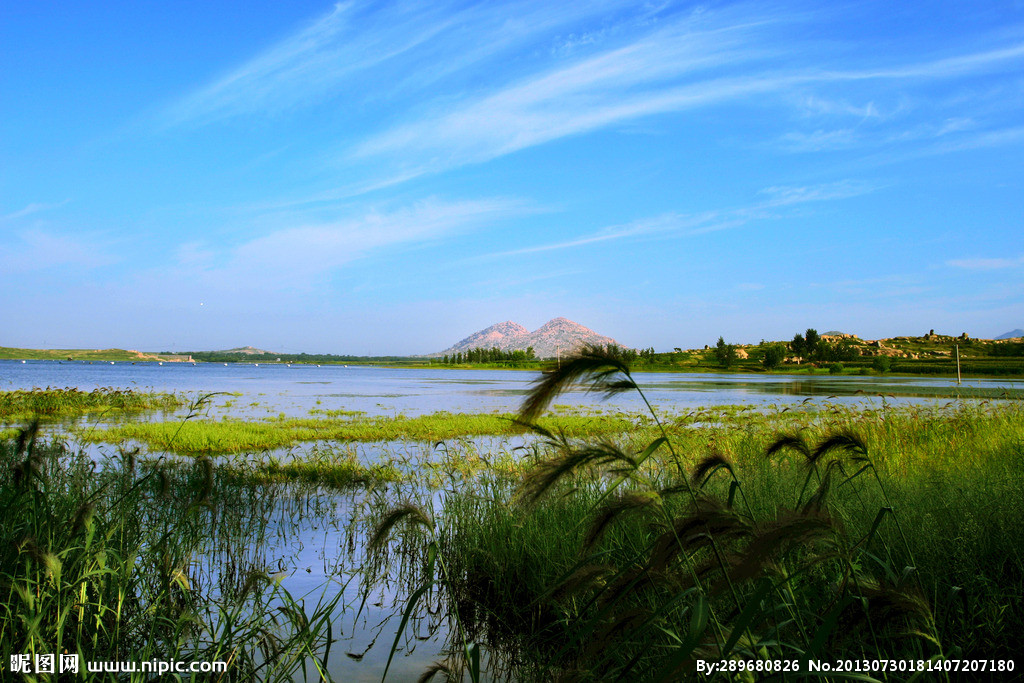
11	353
892	533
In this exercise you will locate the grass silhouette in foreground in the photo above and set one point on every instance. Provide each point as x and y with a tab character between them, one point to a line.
878	534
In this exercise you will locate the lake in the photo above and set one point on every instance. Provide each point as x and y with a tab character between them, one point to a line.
295	390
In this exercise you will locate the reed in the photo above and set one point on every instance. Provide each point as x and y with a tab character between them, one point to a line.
203	436
790	535
99	560
25	404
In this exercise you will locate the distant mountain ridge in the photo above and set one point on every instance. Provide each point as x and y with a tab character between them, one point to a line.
1012	334
248	351
557	336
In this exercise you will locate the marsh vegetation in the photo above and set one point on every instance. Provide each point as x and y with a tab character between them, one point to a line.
572	543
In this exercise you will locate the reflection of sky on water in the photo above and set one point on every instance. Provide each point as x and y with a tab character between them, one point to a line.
314	540
295	390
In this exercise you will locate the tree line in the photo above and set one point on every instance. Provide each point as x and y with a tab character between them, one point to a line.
809	346
491	355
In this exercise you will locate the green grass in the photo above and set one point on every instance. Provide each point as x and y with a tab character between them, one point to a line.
226	436
9	353
22	405
104	562
323	467
863	534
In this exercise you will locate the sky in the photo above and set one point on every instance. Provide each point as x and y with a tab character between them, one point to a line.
381	178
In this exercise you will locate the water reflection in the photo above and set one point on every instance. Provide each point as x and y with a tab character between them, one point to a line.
312	541
296	390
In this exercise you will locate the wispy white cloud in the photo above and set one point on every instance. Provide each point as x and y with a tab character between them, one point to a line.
297	257
942	68
986	263
1011	135
592	66
319	247
35	207
679	67
34	250
823	106
785	195
635	80
332	56
677	224
819	140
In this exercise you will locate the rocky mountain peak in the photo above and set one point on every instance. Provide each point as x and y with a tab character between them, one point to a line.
559	336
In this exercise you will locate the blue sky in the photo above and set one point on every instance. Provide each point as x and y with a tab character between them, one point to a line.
378	178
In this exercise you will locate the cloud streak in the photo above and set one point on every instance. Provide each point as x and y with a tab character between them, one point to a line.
36	250
34	208
986	263
330	58
300	256
676	224
684	66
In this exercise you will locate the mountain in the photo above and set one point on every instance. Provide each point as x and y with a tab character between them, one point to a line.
1012	334
248	351
558	336
503	336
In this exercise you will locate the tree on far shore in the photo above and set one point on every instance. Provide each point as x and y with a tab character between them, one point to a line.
725	354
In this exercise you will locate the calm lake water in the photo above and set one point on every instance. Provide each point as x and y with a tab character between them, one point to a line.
314	547
297	389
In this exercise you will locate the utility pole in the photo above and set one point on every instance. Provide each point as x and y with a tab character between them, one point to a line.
957	347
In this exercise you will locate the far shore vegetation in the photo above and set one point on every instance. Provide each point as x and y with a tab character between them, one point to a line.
808	353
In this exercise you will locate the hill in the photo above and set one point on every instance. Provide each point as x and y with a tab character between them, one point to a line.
246	351
1012	334
558	336
8	353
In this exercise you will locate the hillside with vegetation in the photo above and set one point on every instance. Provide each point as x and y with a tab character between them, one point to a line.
809	352
11	353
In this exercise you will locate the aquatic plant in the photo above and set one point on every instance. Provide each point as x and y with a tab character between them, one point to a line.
26	404
640	558
98	560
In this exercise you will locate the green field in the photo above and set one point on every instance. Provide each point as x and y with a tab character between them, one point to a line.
8	353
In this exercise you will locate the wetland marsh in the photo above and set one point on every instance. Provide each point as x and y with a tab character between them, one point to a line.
501	550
